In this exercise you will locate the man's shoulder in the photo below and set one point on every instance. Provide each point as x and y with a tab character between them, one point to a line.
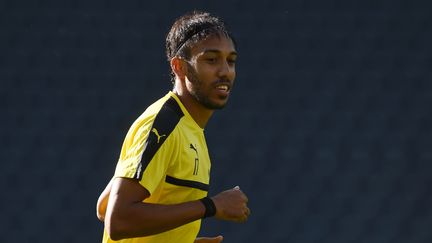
161	116
166	104
157	107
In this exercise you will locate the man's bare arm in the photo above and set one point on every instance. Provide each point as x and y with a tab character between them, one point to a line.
102	202
127	216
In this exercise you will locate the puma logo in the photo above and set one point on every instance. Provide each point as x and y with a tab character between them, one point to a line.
157	134
193	147
195	172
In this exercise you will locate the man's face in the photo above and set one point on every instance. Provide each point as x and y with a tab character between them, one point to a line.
211	71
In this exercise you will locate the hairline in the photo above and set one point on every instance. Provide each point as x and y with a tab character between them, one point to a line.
189	45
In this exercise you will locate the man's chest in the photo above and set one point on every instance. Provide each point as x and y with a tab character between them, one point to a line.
193	161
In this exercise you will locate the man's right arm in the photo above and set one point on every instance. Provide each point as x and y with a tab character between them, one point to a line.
128	216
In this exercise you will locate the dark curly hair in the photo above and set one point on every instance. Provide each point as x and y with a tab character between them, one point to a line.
191	28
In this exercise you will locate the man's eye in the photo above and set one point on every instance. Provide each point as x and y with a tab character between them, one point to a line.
231	61
211	60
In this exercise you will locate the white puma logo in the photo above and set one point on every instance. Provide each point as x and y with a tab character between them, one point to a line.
157	134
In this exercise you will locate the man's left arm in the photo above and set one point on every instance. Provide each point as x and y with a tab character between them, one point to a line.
102	202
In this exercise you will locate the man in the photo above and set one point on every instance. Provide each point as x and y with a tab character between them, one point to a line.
159	189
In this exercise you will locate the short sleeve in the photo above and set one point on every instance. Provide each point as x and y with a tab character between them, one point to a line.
150	146
147	154
132	150
154	173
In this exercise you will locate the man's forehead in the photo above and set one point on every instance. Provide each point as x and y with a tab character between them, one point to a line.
214	44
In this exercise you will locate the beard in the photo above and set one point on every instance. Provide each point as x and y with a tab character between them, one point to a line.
198	94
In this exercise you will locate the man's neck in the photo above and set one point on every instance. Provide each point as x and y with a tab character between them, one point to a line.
199	113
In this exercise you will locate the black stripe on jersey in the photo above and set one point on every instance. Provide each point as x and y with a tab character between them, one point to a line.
187	183
165	122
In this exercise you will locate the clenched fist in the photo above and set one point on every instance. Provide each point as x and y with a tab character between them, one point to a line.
231	205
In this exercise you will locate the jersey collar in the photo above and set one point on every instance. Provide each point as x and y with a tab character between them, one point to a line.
184	110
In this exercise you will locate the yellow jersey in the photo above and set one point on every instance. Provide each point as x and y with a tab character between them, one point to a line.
166	151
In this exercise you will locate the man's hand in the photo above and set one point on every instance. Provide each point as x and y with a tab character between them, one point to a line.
209	239
231	205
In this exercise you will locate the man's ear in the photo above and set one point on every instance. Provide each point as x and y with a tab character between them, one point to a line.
178	67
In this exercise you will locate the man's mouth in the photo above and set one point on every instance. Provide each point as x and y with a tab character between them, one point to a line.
223	87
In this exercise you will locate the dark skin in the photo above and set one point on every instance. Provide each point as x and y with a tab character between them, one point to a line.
209	74
158	209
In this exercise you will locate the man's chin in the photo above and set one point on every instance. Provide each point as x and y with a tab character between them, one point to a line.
217	103
214	105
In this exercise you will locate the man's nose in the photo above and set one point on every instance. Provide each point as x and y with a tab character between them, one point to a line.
225	70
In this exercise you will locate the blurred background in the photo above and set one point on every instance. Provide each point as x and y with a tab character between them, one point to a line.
328	129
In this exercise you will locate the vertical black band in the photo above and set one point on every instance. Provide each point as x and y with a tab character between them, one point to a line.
166	120
210	207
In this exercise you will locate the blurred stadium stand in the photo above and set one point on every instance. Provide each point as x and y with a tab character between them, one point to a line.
328	131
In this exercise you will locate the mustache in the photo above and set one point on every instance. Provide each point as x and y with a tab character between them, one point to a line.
223	81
